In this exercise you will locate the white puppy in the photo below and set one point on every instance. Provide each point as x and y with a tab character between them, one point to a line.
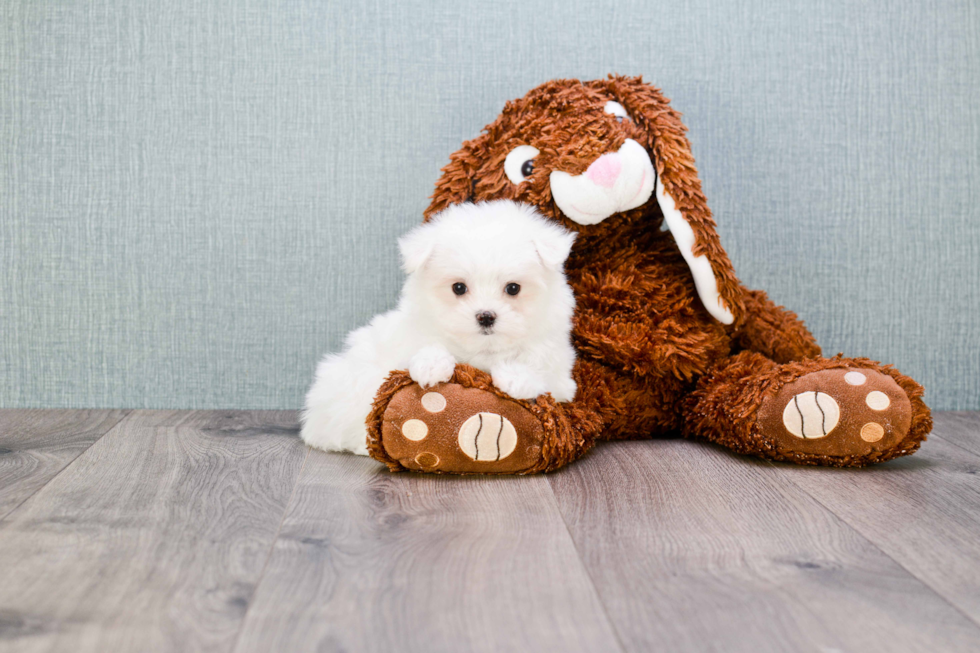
485	287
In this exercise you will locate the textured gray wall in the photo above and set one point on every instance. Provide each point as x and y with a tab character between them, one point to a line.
199	198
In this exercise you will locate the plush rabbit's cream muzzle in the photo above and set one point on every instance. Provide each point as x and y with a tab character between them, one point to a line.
615	182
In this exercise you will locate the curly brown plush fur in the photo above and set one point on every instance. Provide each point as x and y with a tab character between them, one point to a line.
652	360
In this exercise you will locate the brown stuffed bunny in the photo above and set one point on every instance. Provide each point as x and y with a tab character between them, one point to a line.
668	340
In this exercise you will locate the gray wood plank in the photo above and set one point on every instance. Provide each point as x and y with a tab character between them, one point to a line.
37	444
371	561
923	511
153	539
960	428
692	549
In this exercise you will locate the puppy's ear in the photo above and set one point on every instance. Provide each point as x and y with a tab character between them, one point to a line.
678	192
416	247
457	184
553	245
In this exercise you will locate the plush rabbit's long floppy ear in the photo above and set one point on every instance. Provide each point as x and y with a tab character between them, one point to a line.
679	194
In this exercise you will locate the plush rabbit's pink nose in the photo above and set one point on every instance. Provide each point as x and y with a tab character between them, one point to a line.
605	170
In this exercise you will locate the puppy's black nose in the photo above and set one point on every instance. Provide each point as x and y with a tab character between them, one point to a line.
486	319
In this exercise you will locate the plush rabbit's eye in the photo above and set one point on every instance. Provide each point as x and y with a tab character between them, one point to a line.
616	109
519	164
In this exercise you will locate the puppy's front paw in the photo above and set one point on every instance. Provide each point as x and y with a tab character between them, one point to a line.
431	365
518	381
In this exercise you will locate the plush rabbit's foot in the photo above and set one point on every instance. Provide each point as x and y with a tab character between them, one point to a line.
843	413
466	427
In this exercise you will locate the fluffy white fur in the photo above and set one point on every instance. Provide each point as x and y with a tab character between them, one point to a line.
527	350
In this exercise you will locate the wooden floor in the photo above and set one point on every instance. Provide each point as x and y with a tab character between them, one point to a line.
185	531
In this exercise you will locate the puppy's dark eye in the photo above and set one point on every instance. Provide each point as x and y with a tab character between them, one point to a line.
527	168
512	289
459	288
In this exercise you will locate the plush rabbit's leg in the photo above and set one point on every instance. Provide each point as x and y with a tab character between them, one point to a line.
467	426
773	331
842	412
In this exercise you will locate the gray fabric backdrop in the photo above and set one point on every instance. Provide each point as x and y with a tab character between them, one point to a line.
199	198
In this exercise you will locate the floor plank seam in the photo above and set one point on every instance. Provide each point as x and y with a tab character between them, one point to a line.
68	464
954	443
272	549
874	544
588	574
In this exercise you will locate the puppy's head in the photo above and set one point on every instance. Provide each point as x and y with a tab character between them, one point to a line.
488	276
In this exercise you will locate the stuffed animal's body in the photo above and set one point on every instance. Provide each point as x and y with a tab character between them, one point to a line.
668	340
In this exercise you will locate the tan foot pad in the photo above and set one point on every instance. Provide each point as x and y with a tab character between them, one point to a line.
840	412
450	428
